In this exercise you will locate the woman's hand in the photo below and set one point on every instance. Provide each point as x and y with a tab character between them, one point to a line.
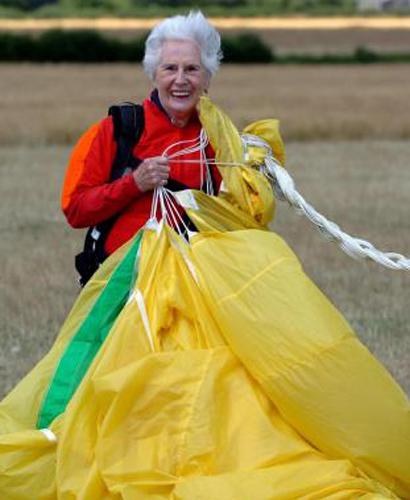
152	173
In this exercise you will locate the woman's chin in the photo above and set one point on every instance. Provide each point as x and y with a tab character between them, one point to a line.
182	113
183	106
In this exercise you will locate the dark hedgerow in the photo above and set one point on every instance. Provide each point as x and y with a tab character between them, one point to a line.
76	46
133	50
91	46
365	56
16	47
316	59
26	5
246	48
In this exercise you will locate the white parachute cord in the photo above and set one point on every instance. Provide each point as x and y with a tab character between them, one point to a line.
200	142
139	299
178	221
173	212
203	139
203	163
285	189
195	142
154	204
201	167
166	201
158	203
213	162
199	145
164	211
209	189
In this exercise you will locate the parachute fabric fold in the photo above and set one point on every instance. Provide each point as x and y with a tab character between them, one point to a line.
243	186
88	339
214	213
27	455
303	353
179	417
268	130
183	417
222	372
27	466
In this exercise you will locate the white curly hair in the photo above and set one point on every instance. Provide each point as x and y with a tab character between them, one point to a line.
193	26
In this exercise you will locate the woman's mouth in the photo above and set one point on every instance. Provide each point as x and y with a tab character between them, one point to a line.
180	94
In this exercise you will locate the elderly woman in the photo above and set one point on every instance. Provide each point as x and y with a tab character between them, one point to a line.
204	364
182	54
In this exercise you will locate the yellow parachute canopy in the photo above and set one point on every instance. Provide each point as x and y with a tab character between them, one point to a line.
226	374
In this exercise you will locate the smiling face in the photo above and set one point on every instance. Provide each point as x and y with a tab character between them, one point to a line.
180	78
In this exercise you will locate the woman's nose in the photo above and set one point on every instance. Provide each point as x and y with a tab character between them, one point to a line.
180	76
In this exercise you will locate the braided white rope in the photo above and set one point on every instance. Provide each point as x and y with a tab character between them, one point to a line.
285	190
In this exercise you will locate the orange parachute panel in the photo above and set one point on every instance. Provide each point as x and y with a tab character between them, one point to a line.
76	164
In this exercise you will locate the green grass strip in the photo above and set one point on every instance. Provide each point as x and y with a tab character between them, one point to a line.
90	336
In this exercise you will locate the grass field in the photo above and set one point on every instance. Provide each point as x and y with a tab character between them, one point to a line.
345	129
49	104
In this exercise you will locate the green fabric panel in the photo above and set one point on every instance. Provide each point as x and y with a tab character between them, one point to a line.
91	334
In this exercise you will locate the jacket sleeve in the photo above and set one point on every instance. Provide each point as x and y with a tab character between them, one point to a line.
88	196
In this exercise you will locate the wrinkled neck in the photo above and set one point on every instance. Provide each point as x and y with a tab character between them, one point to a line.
177	121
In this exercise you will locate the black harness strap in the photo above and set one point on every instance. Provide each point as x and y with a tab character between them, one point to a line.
128	120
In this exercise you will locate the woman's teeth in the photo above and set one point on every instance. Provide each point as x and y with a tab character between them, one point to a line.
180	94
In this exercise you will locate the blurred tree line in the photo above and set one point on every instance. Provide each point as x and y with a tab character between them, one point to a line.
26	4
124	6
93	46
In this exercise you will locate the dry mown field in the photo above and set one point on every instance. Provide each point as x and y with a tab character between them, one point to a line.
362	184
335	41
53	104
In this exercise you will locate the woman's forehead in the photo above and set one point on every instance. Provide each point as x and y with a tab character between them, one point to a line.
180	50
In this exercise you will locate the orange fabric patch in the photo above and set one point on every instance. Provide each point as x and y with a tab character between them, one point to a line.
76	165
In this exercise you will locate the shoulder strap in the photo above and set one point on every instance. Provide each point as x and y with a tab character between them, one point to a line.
128	120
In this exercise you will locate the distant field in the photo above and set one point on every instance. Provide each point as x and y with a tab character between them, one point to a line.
48	104
362	184
292	34
313	41
337	41
292	22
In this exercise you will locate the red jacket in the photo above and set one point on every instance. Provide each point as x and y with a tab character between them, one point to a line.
89	197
